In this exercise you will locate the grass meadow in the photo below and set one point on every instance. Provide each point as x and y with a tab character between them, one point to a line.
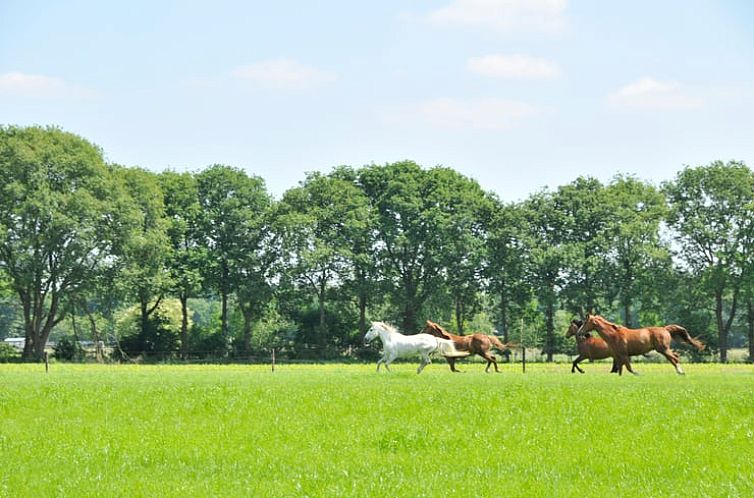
344	430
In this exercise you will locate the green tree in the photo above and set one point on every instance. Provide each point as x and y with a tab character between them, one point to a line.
363	283
506	262
230	203
462	209
546	256
584	219
415	211
187	256
711	214
257	265
637	258
324	219
146	249
59	217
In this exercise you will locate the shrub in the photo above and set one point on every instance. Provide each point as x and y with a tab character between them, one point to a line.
8	353
68	349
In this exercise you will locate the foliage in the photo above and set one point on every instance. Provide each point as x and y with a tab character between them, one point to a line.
398	242
68	349
8	353
60	213
161	337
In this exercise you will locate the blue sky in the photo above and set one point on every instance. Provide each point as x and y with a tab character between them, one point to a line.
519	94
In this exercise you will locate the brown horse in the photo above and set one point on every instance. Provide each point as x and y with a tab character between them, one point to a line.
627	342
479	344
591	348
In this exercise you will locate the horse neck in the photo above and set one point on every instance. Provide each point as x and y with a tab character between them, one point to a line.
602	326
441	331
386	335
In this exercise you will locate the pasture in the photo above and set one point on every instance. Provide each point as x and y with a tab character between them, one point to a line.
344	430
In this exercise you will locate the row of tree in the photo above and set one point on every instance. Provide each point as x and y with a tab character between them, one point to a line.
84	240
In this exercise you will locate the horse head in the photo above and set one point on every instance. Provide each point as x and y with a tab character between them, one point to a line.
590	323
436	330
574	327
373	332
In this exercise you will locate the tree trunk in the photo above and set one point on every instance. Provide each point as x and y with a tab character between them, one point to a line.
504	324
750	320
38	324
362	314
224	316
184	326
459	316
721	331
627	313
144	318
248	317
224	297
409	318
98	353
322	333
550	329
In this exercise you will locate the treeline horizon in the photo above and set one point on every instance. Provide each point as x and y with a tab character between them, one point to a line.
210	264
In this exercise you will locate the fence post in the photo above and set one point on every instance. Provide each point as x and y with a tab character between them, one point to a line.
273	359
47	363
523	348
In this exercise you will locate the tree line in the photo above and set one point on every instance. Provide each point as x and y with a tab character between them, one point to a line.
211	264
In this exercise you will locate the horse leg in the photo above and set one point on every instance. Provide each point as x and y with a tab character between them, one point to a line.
673	359
627	362
380	362
491	360
388	361
424	363
614	369
452	363
575	365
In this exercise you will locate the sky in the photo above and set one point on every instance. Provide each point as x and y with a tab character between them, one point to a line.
517	94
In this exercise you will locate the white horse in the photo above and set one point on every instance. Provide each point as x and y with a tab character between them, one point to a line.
396	345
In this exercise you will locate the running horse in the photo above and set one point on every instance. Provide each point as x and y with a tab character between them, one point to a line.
396	345
589	347
479	344
627	342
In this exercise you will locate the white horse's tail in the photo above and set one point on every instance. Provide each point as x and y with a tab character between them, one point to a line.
447	348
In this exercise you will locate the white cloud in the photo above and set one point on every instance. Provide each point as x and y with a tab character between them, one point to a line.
503	15
487	114
650	94
19	84
513	66
283	73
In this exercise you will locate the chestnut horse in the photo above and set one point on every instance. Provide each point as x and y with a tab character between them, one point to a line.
589	347
627	342
479	344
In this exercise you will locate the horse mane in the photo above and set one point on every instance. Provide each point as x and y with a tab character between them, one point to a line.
437	327
602	319
390	328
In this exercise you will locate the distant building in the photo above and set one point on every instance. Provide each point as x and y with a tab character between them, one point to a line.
16	342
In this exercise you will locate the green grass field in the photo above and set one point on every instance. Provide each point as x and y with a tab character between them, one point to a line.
344	430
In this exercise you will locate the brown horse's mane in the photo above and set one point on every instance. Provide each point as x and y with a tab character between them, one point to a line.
605	321
437	327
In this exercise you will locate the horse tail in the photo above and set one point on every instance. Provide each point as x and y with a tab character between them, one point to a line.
678	332
501	346
448	348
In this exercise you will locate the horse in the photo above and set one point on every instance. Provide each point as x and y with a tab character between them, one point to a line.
396	345
479	344
589	347
626	342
